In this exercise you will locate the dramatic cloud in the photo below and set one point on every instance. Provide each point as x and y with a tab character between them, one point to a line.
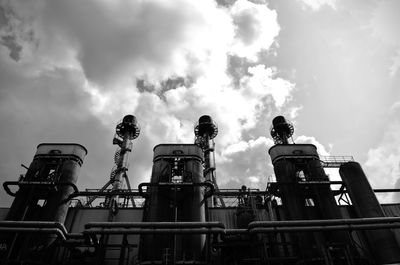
93	62
383	163
70	70
246	163
251	33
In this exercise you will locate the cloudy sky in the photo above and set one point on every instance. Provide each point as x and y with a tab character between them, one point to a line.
70	70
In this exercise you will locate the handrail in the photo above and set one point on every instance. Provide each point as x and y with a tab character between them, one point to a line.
138	231
36	226
35	183
183	184
154	225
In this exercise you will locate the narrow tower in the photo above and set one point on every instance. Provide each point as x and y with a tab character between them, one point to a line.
302	183
205	131
126	131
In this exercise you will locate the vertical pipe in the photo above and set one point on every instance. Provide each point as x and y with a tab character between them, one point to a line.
158	210
117	182
382	242
22	200
23	206
293	201
193	210
325	200
56	207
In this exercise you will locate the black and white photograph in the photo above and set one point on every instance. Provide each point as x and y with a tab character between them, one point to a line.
207	132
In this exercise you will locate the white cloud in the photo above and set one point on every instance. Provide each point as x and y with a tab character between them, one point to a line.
317	4
261	82
302	139
245	162
254	179
382	166
251	33
383	163
243	146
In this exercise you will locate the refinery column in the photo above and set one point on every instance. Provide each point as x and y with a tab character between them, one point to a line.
205	131
126	131
49	182
301	178
291	194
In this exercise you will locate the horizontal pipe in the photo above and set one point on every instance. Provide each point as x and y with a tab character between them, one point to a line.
154	225
349	227
180	262
176	185
231	193
235	231
325	222
34	224
138	231
386	190
236	193
54	231
103	193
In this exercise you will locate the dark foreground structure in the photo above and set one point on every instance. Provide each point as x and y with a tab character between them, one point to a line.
182	217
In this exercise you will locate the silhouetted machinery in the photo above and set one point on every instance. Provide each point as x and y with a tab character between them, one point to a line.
182	217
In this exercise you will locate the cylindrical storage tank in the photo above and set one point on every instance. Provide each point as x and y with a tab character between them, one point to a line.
382	242
24	206
293	201
192	210
161	208
53	163
70	157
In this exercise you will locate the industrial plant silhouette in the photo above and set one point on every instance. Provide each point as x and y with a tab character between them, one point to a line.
182	217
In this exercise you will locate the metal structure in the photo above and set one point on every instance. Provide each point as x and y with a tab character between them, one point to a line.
301	218
205	131
281	130
126	130
43	194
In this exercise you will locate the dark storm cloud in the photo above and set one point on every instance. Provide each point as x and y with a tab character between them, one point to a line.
123	39
15	49
7	38
49	108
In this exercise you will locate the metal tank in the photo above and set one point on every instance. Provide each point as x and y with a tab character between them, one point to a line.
382	242
43	193
283	156
175	195
71	158
301	180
